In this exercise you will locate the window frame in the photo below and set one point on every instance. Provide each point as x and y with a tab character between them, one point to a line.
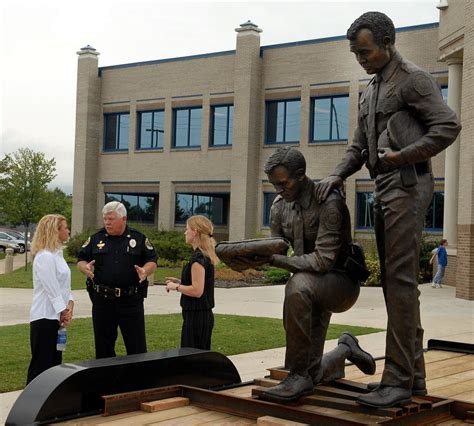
189	109
139	129
225	206
117	140
443	87
266	206
211	127
425	229
433	202
284	142
363	228
154	195
312	121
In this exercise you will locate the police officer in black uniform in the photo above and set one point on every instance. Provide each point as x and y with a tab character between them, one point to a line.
117	261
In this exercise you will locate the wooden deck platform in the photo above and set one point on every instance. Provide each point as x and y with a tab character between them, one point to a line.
450	376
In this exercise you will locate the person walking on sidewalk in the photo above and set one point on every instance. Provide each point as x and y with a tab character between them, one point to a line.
53	303
442	263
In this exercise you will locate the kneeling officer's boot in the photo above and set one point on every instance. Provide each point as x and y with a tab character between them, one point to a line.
290	389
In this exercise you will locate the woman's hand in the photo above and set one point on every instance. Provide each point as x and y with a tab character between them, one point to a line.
172	284
66	315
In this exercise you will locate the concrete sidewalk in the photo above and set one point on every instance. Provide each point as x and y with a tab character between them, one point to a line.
443	317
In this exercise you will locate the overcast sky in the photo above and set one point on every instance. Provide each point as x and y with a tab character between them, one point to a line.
39	40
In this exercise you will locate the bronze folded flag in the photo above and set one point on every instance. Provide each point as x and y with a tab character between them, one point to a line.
239	255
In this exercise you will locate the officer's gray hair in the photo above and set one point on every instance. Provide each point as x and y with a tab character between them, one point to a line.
115	206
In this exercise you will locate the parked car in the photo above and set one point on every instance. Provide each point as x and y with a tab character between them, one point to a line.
7	241
20	237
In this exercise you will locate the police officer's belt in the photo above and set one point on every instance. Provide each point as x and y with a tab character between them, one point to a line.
114	292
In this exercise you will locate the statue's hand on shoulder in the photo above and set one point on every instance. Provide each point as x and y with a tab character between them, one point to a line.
324	187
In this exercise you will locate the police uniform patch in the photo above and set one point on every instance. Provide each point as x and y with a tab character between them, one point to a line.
86	243
422	84
332	219
148	244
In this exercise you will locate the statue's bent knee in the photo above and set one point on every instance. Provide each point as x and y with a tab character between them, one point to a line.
333	291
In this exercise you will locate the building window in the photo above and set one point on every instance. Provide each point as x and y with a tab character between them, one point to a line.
330	118
365	210
282	122
435	215
222	125
213	206
140	207
187	127
433	220
151	125
268	198
444	93
116	131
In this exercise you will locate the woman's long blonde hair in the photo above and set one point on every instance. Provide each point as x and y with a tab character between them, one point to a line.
47	233
206	243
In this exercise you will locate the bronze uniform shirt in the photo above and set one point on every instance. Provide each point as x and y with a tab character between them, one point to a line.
327	230
402	86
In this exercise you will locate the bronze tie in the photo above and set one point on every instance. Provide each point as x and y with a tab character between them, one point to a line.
298	230
373	156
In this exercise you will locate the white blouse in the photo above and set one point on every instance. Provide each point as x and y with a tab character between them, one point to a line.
51	285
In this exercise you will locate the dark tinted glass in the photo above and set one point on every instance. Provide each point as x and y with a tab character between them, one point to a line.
365	210
195	127
181	127
268	198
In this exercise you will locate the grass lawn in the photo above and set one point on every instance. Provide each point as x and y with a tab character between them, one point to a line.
23	279
232	335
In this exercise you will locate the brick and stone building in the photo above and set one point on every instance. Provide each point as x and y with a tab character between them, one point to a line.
189	135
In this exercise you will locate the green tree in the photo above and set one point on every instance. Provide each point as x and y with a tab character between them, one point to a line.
60	203
24	176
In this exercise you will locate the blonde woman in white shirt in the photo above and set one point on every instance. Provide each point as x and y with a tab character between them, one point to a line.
52	298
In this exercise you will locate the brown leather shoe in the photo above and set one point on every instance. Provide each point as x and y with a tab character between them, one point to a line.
386	397
418	388
290	389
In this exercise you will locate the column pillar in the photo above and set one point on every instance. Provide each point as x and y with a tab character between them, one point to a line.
451	168
87	143
246	143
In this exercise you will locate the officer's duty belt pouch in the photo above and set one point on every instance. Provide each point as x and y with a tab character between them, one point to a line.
354	264
355	270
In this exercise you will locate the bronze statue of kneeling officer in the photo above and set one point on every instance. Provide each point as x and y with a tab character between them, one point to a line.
326	277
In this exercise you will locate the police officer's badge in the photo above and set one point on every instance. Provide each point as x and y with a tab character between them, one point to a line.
148	244
133	243
101	245
86	243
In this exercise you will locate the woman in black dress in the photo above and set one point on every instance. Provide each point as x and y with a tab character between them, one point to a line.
197	284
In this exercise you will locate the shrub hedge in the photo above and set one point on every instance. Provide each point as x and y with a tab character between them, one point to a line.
169	245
